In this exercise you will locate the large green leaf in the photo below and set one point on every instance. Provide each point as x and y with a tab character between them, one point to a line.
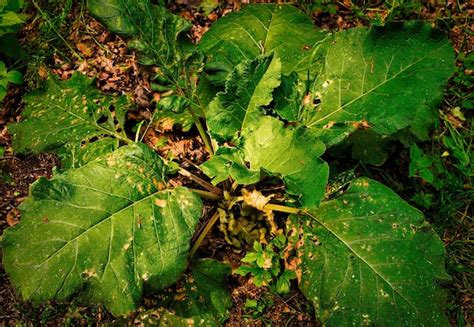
71	118
104	230
262	29
201	298
369	258
152	29
248	89
391	77
292	154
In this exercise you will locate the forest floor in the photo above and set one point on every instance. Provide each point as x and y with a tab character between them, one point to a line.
61	38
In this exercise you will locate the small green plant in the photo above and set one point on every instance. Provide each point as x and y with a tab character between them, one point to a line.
264	265
391	10
6	77
267	104
326	6
256	308
420	164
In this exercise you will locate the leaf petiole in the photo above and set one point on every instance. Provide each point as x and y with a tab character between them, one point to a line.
208	186
203	234
205	194
202	132
281	208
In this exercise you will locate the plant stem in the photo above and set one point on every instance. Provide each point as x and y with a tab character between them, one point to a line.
206	194
137	134
208	186
280	208
203	234
202	131
147	126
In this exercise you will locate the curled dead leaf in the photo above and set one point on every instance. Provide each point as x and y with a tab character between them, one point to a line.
255	199
13	217
85	49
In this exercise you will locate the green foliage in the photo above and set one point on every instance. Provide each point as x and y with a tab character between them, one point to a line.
311	6
6	77
463	81
71	118
291	154
258	308
109	224
207	6
370	258
238	112
10	22
229	162
391	81
157	36
420	164
248	89
152	29
174	108
391	10
263	264
201	297
260	30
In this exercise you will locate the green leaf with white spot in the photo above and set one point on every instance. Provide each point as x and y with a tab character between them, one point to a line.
259	30
248	89
71	118
369	258
105	230
391	77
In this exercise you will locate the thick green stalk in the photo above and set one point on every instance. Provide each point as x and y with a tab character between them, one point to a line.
202	132
206	194
280	208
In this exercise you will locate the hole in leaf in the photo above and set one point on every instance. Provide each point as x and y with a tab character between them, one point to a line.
102	119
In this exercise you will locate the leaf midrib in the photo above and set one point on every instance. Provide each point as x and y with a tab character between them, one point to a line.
89	122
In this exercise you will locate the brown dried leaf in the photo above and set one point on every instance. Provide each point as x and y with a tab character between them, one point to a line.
13	217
